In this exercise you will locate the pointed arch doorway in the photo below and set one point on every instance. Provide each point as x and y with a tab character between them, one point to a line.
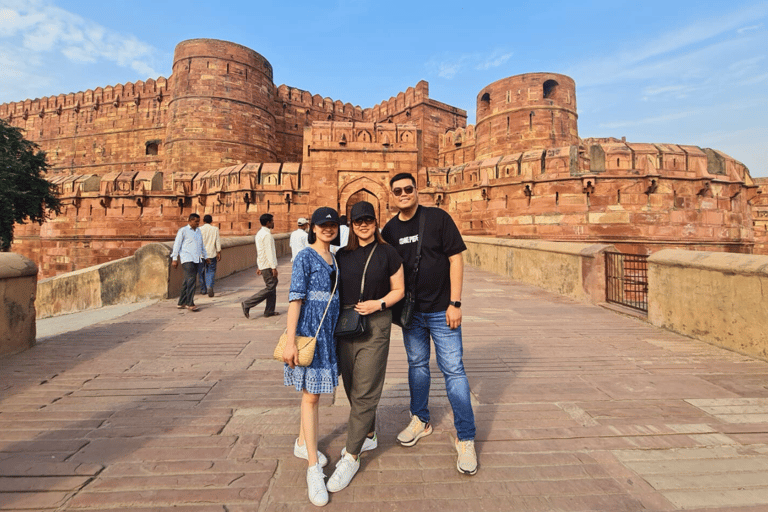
364	195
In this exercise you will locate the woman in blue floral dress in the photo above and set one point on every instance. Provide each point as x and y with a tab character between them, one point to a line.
312	282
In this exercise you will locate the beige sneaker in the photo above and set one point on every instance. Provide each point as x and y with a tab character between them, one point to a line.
414	431
467	460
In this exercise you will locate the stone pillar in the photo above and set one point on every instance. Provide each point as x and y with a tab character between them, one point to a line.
18	283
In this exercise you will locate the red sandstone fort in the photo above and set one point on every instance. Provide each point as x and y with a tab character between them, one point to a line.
133	161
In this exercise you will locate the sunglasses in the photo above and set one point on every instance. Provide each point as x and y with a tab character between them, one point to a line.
364	220
407	190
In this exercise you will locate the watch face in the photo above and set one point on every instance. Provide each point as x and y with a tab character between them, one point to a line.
456	304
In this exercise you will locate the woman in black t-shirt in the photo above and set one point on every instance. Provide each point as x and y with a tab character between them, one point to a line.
363	359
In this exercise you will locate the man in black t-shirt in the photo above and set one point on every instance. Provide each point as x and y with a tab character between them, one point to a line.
437	316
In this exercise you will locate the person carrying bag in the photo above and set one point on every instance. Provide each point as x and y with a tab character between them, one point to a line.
371	281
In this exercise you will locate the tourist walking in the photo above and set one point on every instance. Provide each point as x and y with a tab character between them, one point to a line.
266	262
188	247
371	281
212	244
299	238
437	288
314	287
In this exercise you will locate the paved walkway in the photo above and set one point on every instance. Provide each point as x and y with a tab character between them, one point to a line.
578	408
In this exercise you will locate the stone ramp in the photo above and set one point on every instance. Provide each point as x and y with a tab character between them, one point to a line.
578	409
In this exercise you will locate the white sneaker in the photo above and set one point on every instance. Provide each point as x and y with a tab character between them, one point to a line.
415	430
346	468
318	494
301	452
370	443
466	462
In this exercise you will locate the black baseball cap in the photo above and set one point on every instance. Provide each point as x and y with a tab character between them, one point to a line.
362	210
325	214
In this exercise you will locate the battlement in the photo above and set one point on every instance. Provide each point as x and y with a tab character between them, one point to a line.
301	98
128	94
385	110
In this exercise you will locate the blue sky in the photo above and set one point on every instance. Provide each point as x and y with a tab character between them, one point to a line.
679	72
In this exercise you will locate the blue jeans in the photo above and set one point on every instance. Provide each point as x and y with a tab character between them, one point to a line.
206	274
449	350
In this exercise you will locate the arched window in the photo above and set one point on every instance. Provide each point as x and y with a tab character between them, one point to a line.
550	88
151	147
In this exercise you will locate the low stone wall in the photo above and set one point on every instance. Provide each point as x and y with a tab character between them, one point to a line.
720	298
572	269
147	274
18	279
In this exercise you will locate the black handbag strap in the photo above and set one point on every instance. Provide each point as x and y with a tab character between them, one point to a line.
362	282
422	222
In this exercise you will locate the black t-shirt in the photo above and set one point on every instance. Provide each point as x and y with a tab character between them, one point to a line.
384	263
441	240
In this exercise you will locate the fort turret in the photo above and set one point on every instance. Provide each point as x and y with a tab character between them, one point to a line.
524	112
221	110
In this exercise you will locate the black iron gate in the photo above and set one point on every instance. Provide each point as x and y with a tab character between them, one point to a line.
626	280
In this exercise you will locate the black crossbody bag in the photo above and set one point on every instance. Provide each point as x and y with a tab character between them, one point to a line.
351	323
402	312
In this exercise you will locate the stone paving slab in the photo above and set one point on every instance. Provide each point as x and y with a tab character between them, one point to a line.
578	408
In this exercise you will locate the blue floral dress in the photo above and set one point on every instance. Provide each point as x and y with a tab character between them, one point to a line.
311	282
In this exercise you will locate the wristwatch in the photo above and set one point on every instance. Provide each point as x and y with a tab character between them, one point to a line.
383	305
456	304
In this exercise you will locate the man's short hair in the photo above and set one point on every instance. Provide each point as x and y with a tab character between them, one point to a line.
343	220
193	216
266	218
402	176
207	219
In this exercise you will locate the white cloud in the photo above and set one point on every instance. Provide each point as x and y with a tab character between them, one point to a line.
495	60
37	33
749	28
656	120
449	67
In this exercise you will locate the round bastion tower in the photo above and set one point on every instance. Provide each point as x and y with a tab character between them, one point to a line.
526	112
221	107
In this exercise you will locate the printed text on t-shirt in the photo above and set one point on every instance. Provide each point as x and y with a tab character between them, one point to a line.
409	239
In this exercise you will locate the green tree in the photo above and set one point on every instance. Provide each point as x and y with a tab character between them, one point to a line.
25	195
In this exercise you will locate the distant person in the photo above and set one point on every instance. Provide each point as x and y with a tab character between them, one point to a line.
363	358
188	247
299	238
212	244
438	287
313	296
266	261
343	235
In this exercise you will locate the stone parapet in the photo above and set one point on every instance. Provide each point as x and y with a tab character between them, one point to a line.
147	274
715	297
572	269
18	278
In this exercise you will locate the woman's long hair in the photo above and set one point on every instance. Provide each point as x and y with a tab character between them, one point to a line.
353	242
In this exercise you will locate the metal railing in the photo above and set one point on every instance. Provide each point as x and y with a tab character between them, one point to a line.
626	280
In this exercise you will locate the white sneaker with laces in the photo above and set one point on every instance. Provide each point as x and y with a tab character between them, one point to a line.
301	452
318	494
415	430
346	468
370	443
467	460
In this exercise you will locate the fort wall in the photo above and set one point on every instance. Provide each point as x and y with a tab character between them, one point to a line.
107	129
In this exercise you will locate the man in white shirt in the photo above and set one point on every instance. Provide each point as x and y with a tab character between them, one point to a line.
266	260
188	247
212	244
343	235
299	238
